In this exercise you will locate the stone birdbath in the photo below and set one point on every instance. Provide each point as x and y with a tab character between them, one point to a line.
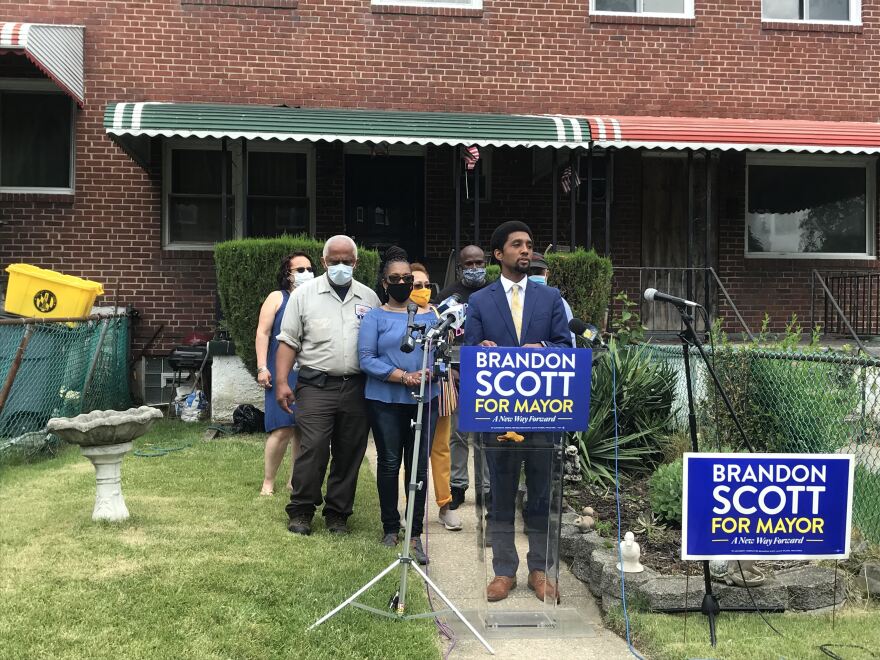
105	437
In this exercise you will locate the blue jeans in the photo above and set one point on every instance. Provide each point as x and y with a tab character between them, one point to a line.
395	438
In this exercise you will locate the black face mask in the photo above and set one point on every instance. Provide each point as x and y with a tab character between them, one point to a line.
400	292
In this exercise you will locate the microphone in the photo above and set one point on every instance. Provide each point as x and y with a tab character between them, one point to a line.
408	343
451	301
652	295
453	318
587	332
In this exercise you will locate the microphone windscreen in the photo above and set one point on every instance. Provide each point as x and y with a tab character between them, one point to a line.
577	326
412	308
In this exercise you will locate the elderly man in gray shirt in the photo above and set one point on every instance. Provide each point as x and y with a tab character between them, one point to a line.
319	330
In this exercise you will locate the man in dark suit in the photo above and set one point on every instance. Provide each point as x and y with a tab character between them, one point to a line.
516	312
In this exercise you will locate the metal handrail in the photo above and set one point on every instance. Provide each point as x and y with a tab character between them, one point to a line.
829	296
710	271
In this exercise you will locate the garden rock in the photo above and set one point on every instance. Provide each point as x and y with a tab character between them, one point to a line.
668	592
868	581
811	587
771	595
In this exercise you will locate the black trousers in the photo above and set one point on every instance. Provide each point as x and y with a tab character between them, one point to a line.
333	423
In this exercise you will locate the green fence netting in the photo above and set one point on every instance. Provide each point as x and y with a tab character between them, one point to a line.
790	402
65	369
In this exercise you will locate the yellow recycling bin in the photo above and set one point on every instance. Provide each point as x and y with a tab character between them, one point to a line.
33	291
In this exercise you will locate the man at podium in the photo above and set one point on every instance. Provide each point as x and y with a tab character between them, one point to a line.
514	311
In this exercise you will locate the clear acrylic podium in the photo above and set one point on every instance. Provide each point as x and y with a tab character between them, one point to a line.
517	530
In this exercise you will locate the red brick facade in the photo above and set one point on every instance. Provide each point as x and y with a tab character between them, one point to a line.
514	56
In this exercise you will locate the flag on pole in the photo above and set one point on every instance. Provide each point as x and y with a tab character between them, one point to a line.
567	181
471	155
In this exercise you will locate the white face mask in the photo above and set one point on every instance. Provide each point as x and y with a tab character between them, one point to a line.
340	274
301	278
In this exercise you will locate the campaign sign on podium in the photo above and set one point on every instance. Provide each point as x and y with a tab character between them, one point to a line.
766	506
524	389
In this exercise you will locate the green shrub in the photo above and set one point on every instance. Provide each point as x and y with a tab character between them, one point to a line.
784	404
246	274
584	280
645	395
493	272
664	491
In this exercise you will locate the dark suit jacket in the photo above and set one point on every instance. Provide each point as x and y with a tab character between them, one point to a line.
544	319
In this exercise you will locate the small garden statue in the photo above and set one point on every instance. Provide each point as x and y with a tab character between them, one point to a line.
584	523
630	552
572	466
744	573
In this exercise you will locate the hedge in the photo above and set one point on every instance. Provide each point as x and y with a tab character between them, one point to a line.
246	274
582	277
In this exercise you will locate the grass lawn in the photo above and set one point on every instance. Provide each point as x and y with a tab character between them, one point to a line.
747	637
205	567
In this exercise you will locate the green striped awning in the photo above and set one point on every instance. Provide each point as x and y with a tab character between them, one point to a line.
151	119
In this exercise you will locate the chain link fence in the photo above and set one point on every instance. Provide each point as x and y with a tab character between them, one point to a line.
57	369
790	402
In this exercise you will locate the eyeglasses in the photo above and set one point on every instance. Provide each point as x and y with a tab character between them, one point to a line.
302	269
422	285
536	270
336	262
397	279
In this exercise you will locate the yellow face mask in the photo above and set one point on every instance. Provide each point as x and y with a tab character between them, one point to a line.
420	296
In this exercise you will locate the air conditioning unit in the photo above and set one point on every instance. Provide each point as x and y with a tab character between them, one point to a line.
156	381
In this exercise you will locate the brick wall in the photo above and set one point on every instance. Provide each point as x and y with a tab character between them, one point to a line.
523	56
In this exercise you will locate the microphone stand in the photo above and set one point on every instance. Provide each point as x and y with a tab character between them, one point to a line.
709	607
397	603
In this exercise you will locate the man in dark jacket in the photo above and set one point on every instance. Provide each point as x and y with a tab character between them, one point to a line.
516	312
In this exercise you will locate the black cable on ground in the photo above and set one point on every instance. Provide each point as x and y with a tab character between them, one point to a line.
826	649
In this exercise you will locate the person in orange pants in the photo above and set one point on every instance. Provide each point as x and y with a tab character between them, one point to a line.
441	459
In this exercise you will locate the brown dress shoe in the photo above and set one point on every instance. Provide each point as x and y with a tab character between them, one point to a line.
538	583
499	588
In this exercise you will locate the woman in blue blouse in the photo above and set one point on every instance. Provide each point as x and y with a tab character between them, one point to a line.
392	377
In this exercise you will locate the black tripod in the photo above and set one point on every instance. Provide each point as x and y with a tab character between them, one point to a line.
709	607
397	604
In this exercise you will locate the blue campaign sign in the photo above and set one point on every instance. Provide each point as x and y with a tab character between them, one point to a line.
524	389
766	506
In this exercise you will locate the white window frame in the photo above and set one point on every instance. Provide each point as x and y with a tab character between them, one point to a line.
855	12
811	160
687	13
47	86
440	4
236	185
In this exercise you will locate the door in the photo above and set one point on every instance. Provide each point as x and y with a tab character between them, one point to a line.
385	202
664	235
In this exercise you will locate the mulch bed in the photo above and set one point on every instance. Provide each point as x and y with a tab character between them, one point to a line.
661	545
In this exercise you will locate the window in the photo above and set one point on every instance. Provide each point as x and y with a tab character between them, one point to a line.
194	197
442	4
677	8
36	141
273	198
809	206
277	189
816	11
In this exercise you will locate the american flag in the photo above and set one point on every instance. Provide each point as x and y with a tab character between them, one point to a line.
471	155
566	179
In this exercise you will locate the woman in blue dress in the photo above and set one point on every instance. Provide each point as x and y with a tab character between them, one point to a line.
295	269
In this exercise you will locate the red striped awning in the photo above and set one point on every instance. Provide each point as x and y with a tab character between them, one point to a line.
735	134
57	50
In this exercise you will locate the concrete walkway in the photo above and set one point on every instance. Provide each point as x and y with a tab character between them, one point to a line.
461	569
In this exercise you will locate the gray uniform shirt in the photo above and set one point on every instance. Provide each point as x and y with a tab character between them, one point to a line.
322	329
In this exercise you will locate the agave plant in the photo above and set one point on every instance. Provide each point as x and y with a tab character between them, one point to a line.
645	397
